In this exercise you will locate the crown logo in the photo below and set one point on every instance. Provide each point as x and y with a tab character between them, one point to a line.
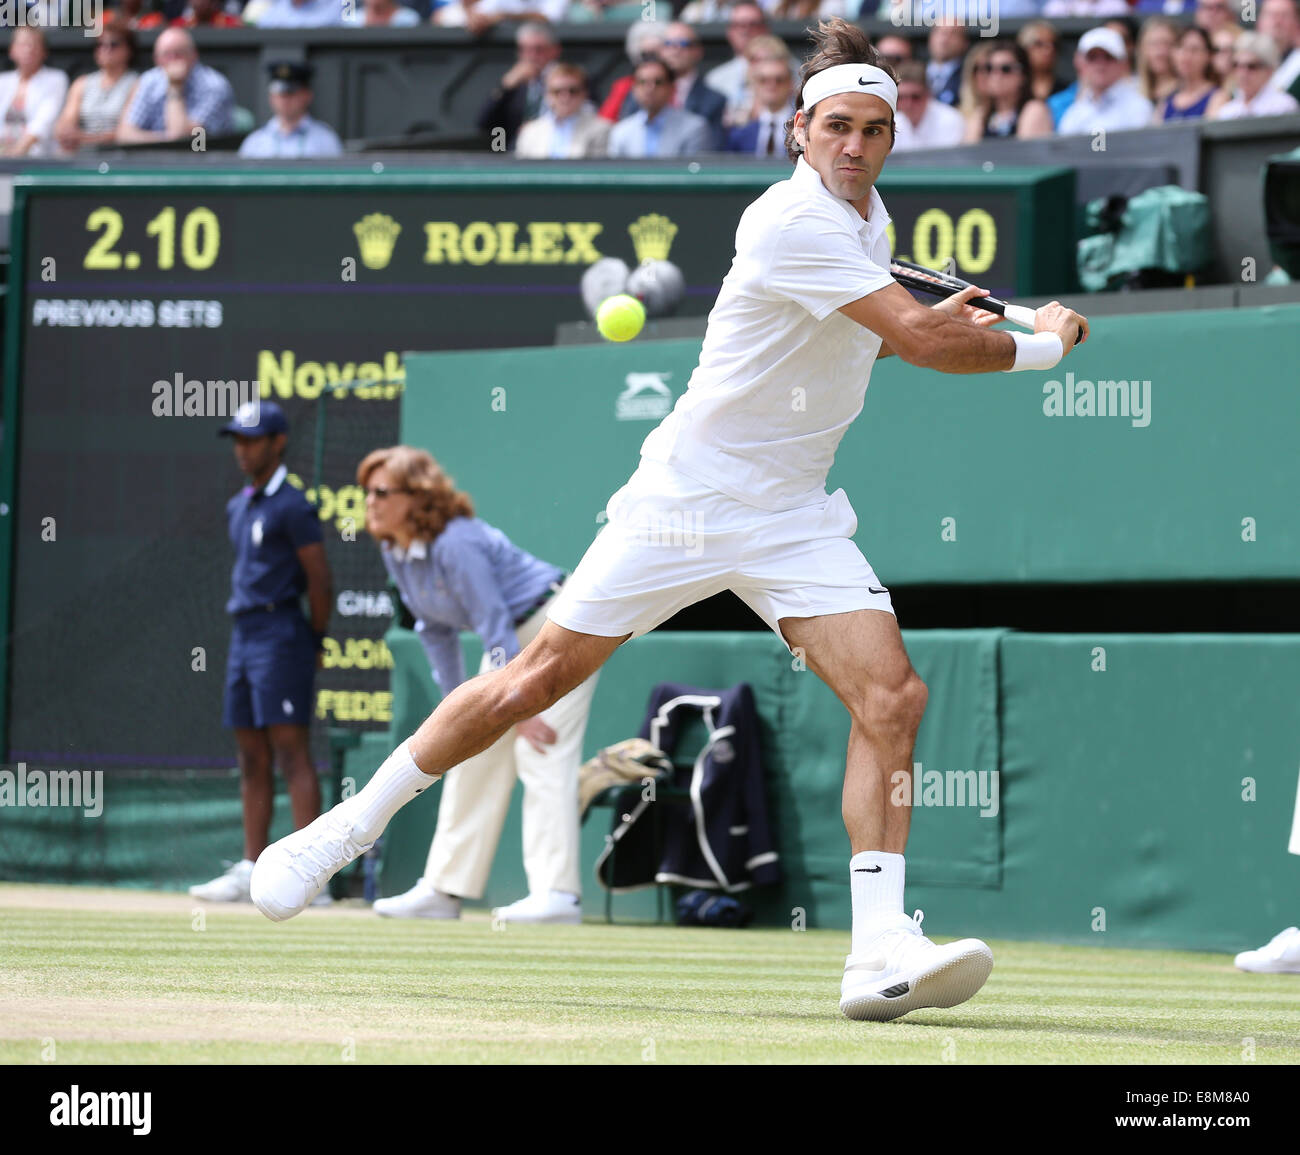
376	236
652	237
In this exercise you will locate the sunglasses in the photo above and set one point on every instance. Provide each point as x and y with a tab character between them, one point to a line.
745	24
652	81
680	43
381	491
892	58
565	90
1249	65
1005	69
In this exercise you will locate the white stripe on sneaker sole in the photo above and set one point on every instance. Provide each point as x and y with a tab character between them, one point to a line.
952	980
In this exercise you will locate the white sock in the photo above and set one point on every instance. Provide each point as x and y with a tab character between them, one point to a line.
876	888
394	784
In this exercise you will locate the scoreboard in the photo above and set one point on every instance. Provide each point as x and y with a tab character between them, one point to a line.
139	302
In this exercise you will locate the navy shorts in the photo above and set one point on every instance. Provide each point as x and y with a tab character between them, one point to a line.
270	671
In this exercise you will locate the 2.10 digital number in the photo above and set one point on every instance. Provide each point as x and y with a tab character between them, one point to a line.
199	235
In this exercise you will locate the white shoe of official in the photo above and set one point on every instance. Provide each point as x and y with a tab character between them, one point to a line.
229	887
901	970
291	873
1281	956
553	906
421	901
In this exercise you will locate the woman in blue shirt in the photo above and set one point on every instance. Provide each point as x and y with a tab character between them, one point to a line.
1198	94
455	572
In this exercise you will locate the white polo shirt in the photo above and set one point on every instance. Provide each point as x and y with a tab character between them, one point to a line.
781	374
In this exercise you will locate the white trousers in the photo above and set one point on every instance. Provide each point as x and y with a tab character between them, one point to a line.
476	795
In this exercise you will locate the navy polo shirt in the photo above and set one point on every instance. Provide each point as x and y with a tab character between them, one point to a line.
267	528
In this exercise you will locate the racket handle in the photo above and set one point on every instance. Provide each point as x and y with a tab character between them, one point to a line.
1021	316
1024	317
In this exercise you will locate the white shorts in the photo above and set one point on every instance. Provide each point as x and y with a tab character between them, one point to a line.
670	541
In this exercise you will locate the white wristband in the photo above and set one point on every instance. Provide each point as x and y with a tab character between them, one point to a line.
1036	351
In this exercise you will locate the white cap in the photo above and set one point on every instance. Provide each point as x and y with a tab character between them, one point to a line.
1107	39
850	78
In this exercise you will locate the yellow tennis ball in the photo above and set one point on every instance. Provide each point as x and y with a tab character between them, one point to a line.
620	318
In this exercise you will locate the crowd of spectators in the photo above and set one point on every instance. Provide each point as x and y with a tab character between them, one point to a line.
1143	64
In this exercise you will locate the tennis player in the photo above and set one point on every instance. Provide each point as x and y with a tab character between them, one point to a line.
806	309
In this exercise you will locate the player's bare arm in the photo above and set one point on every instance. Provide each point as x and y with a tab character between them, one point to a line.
937	339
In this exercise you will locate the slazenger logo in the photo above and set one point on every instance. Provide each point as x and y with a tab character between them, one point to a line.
645	397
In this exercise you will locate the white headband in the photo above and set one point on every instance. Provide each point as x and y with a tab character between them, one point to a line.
851	78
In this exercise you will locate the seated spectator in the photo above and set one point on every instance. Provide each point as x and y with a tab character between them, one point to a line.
1055	9
1156	76
1254	58
705	11
1108	99
31	96
1198	93
203	14
1215	14
895	50
922	121
384	14
1012	109
521	95
291	133
594	11
745	21
682	53
973	95
657	128
133	13
177	95
481	15
946	45
761	50
570	126
1224	40
764	135
97	100
1039	40
1280	20
643	39
299	14
809	9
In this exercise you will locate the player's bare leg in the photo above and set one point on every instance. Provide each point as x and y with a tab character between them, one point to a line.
892	968
473	716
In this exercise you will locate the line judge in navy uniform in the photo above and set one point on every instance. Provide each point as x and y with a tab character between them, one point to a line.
279	556
291	133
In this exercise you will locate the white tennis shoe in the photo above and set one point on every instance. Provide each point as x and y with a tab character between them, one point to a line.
290	874
421	901
901	970
554	906
1279	956
229	887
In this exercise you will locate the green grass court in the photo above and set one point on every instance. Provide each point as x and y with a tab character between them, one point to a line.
115	976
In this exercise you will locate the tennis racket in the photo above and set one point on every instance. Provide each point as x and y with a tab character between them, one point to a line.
938	284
